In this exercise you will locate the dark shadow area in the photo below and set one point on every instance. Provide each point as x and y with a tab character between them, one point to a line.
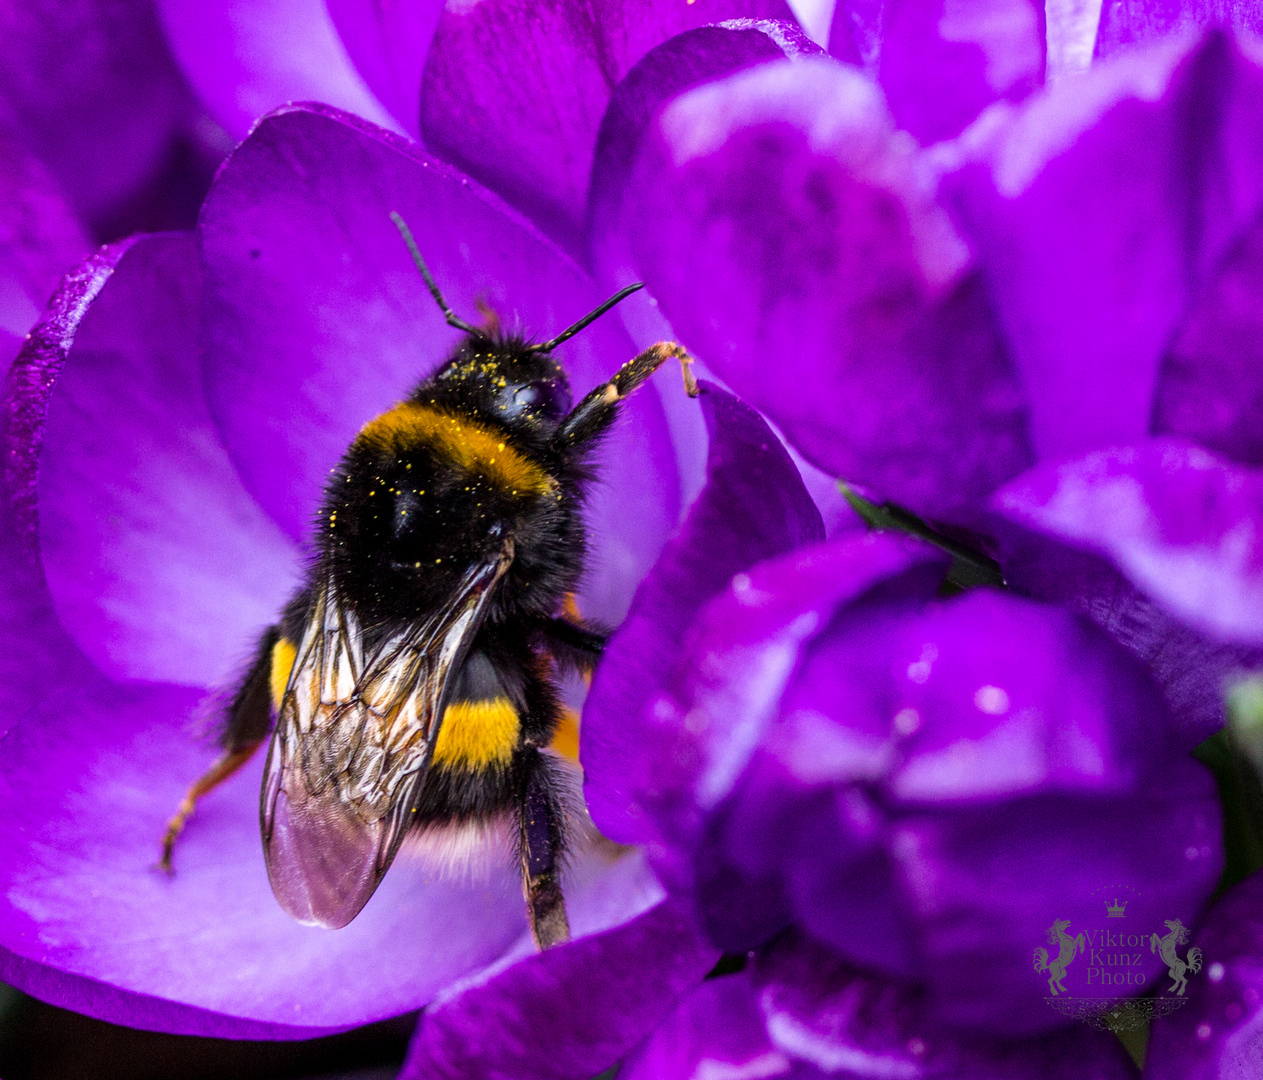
173	196
42	1042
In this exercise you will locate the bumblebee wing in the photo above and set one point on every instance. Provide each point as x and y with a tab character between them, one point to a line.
353	740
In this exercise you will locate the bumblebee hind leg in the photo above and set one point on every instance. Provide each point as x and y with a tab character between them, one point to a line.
541	843
248	721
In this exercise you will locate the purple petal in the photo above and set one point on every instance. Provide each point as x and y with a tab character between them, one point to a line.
855	33
9	345
1072	28
1126	23
31	379
734	858
249	57
1215	1036
160	565
934	786
820	1010
942	63
84	906
753	507
777	218
1210	388
717	1030
985	886
982	699
36	656
91	89
305	269
1012	698
568	1013
1181	524
388	43
1108	205
1190	668
737	659
686	60
39	240
514	90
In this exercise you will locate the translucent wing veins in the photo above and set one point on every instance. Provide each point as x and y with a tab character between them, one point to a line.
353	741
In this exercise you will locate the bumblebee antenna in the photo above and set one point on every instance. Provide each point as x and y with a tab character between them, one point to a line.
588	319
452	318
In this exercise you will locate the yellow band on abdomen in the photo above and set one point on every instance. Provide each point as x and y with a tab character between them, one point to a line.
477	733
283	656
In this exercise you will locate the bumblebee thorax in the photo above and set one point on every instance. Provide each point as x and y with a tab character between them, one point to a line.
427	490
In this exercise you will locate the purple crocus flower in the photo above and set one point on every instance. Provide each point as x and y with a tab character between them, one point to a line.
160	481
147	543
935	347
886	796
970	326
919	321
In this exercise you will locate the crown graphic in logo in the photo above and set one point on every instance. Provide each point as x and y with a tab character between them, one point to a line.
1117	909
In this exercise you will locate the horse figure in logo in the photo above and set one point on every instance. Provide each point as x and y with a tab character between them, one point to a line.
1070	948
1177	935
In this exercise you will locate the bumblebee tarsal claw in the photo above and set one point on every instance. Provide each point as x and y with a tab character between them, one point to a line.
686	369
223	768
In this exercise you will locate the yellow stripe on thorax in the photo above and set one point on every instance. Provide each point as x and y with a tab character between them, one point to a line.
462	441
283	655
477	733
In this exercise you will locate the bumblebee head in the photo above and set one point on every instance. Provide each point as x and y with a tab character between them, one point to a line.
508	381
511	380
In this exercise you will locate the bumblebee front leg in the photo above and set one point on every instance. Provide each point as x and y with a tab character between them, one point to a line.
248	723
596	412
541	842
574	646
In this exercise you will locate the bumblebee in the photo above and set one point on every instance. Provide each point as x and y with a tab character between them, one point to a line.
409	685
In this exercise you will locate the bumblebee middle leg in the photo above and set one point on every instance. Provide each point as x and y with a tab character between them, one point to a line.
248	721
